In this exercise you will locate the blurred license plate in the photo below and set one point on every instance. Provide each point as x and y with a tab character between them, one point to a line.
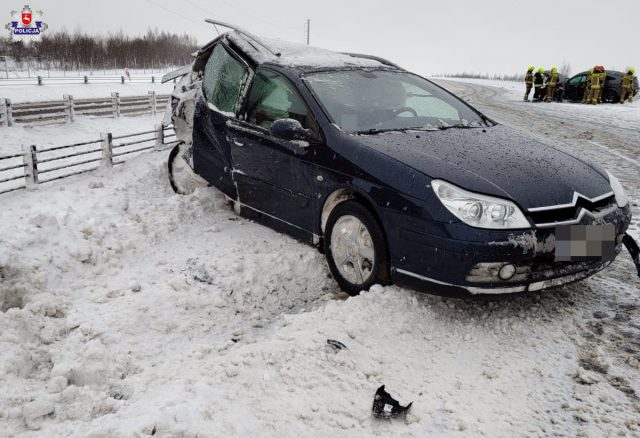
585	242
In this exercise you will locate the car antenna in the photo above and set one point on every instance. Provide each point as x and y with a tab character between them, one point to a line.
243	32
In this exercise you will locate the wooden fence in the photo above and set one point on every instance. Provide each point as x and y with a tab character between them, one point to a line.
41	165
64	111
81	79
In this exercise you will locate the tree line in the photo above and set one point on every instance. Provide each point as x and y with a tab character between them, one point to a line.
70	51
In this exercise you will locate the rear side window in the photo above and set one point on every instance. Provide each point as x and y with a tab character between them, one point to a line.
223	78
272	97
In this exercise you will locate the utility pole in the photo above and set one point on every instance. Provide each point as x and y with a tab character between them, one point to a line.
308	30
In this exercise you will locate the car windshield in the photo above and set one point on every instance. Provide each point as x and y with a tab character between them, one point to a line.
364	101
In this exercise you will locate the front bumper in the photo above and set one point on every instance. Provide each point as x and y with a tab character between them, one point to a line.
437	263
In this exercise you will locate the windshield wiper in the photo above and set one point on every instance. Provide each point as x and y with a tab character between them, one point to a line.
461	126
378	131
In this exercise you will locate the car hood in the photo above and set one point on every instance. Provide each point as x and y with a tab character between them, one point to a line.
496	161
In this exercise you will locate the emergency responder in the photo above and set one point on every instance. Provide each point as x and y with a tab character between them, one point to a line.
538	81
587	88
627	86
603	80
595	87
528	82
551	84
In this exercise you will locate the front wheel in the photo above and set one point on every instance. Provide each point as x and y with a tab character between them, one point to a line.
356	248
182	178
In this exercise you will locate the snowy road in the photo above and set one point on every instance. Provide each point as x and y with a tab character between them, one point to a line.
126	310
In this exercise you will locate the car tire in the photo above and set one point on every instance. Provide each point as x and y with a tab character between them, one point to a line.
182	178
610	96
356	248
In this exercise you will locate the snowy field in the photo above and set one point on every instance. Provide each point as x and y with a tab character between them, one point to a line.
36	93
127	310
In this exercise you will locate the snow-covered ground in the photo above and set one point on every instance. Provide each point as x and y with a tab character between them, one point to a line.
36	93
127	310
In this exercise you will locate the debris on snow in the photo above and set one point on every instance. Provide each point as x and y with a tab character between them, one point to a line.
385	406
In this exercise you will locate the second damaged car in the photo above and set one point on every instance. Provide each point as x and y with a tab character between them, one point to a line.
391	176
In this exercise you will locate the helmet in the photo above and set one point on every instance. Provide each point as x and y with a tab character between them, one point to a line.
531	68
601	68
554	69
541	70
632	70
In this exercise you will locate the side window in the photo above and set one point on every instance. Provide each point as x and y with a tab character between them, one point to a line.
272	97
223	77
577	80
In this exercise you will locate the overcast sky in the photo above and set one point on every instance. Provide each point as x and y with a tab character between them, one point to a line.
429	37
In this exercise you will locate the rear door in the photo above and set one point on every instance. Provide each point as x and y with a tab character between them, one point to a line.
225	76
274	176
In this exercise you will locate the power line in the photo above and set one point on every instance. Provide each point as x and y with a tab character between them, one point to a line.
177	14
280	26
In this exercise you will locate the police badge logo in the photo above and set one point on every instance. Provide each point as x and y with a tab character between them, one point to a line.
26	23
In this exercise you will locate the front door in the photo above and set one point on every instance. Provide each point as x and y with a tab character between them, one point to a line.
224	76
575	87
274	176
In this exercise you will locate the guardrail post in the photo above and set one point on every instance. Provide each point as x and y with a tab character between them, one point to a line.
69	110
153	103
86	79
39	80
31	168
107	149
9	113
159	137
122	79
115	103
4	120
153	79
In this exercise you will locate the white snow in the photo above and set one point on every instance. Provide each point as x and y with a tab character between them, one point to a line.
293	54
127	310
36	93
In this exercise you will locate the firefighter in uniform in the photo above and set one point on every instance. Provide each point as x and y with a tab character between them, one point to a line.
587	88
627	86
538	81
603	80
551	84
595	86
528	82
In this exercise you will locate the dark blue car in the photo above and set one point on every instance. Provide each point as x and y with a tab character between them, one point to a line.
391	176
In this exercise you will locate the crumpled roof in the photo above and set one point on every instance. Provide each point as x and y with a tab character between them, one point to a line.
296	55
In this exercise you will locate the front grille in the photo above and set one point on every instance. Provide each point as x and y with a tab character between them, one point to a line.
565	214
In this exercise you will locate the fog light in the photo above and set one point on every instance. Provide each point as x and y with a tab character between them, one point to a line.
507	272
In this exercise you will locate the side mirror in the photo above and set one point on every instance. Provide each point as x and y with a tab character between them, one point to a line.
289	129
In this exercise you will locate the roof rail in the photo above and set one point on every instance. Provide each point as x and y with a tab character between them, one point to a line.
373	58
243	32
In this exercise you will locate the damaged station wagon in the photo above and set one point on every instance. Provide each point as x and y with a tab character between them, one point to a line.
394	178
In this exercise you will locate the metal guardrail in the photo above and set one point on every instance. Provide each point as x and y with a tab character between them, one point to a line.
37	166
64	111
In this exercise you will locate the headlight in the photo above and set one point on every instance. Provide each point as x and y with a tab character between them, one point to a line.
621	196
477	210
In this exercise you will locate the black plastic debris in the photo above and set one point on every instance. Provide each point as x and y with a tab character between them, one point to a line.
336	345
634	250
385	406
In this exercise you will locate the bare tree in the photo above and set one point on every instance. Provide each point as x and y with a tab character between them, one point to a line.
565	68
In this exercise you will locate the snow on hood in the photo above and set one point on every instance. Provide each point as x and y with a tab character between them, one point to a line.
293	54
